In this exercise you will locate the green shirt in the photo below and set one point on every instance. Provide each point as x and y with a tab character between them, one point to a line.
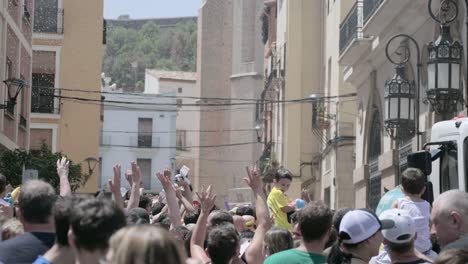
294	256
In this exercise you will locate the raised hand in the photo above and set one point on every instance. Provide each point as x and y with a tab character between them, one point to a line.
136	174
254	179
207	199
128	176
63	167
165	181
114	184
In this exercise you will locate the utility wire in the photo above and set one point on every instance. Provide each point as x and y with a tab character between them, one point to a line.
171	132
252	100
170	147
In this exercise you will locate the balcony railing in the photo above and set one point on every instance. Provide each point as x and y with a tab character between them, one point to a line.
26	14
349	27
48	20
370	6
145	141
45	100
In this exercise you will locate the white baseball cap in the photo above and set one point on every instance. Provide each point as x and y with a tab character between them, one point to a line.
359	225
403	229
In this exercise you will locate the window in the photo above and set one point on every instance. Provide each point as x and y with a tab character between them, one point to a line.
145	167
51	17
39	137
449	168
43	83
181	139
145	132
327	196
179	90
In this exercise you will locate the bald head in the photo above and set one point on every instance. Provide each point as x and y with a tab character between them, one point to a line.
453	200
35	201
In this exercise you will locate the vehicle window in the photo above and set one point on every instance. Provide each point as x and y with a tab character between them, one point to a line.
449	169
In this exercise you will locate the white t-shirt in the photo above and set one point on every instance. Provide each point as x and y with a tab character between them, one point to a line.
421	213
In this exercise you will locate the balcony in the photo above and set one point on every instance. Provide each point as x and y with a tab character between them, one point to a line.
48	20
45	100
353	43
380	14
26	14
145	141
370	6
374	189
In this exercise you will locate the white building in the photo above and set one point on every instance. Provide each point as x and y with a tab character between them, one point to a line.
184	85
141	129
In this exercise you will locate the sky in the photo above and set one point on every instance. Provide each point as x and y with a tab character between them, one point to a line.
151	8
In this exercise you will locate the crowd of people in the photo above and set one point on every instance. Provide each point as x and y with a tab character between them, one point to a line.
41	226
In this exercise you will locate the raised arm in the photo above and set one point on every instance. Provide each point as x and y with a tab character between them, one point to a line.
135	191
187	205
253	254
62	170
115	185
188	194
207	201
173	205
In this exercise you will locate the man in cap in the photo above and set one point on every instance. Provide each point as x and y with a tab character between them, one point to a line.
399	238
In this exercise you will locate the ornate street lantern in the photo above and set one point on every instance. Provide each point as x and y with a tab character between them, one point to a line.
14	87
444	86
399	100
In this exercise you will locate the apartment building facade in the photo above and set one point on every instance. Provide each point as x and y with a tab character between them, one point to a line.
141	132
67	61
16	21
184	86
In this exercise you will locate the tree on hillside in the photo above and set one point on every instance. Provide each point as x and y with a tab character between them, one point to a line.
171	49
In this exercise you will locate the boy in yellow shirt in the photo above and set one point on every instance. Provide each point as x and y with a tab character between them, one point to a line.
278	203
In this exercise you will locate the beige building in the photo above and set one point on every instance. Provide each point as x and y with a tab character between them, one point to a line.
230	65
15	55
67	62
184	86
379	159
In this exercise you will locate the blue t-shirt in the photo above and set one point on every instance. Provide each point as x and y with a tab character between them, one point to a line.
41	260
25	248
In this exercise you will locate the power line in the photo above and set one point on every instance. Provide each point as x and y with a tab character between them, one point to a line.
252	100
170	147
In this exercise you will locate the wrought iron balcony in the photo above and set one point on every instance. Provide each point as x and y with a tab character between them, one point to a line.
145	141
349	27
48	20
374	183
370	6
45	100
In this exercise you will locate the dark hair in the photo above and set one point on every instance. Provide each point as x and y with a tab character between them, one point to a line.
222	243
245	210
165	223
247	234
336	255
401	248
137	216
156	208
314	221
413	181
188	237
191	218
93	222
283	173
62	213
277	240
338	216
179	233
144	202
36	201
3	183
219	217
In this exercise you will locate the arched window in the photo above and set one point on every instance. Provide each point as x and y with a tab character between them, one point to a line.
374	151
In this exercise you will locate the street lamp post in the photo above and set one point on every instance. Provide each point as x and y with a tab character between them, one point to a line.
401	99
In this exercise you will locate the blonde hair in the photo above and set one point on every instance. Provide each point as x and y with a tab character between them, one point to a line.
143	244
11	228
